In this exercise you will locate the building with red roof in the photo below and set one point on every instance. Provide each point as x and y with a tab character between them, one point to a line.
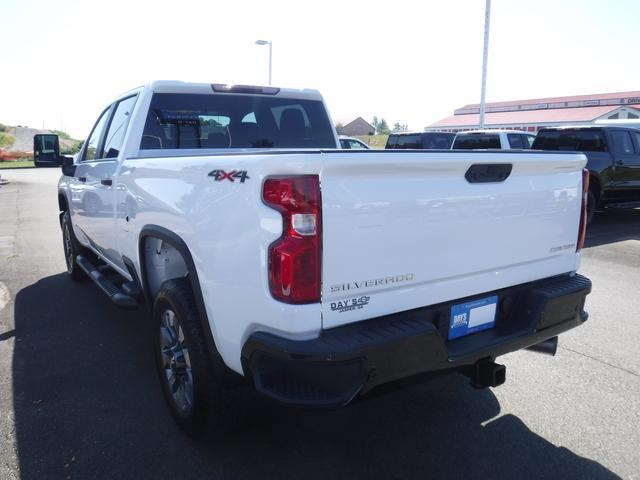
533	114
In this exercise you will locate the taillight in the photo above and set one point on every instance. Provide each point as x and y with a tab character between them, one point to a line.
294	259
582	229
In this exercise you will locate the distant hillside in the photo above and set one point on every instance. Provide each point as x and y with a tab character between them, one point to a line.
15	140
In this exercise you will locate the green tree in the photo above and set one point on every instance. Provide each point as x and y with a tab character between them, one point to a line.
400	127
383	127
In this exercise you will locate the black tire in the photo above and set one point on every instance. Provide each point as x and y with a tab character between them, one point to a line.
214	408
71	248
592	205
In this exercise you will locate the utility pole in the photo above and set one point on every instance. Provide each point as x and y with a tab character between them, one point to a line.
485	55
270	43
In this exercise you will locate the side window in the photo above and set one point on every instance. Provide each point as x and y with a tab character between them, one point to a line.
391	141
637	136
528	140
356	145
118	127
622	142
515	140
91	152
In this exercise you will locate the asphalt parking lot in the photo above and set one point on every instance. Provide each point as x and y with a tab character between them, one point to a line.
79	396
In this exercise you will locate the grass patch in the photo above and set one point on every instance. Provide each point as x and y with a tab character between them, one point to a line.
6	139
374	141
18	164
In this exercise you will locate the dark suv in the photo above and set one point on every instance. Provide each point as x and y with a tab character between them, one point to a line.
420	141
613	155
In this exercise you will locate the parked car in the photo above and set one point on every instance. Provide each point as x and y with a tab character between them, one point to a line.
350	143
310	274
498	139
420	141
613	161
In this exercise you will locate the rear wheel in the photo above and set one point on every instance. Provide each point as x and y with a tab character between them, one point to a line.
71	248
198	401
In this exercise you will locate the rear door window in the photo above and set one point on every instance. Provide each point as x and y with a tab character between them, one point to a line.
194	121
637	137
622	143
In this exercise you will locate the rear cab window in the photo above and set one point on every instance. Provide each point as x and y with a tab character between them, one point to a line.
515	140
436	141
409	142
195	121
475	141
585	140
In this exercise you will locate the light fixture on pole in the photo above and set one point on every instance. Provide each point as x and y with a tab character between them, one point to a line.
267	42
485	54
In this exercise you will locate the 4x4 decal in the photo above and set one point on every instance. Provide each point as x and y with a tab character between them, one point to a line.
220	175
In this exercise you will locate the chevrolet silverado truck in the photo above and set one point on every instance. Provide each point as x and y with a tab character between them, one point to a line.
270	260
613	161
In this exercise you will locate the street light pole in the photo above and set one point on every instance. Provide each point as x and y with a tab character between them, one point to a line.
267	42
485	55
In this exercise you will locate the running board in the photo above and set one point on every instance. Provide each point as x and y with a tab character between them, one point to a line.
117	296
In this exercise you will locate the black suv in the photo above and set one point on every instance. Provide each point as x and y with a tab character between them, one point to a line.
613	155
420	141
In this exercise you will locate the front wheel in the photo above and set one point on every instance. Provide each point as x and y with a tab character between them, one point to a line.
71	248
198	401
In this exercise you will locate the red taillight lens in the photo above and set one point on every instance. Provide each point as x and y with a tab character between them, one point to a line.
582	232
294	259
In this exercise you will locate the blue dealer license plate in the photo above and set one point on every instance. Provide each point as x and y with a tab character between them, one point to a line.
471	317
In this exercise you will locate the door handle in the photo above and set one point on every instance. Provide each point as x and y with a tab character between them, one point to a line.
82	179
107	181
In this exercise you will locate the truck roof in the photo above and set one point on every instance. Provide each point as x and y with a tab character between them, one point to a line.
495	130
176	86
594	127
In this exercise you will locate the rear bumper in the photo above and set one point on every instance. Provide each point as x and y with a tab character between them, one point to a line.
346	361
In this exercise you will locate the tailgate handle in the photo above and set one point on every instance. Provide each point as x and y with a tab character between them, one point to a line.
488	172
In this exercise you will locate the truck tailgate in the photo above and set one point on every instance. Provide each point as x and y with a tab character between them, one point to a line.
403	230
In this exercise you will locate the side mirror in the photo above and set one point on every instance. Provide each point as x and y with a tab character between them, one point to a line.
68	167
46	150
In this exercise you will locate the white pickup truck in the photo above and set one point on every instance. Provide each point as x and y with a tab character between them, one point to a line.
270	259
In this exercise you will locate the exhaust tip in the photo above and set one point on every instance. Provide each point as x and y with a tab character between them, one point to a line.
549	347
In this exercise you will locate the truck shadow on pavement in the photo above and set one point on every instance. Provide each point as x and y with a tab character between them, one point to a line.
613	226
88	405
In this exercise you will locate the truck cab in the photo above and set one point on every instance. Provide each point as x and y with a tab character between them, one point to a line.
613	161
493	139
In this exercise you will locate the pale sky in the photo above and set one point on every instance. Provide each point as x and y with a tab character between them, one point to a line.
63	61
